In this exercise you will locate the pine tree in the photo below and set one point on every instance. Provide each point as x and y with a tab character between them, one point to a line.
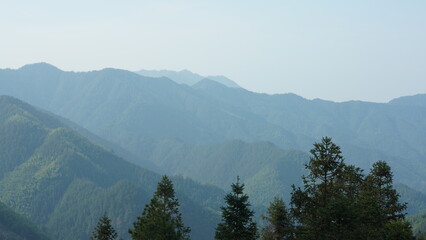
338	202
379	204
161	219
279	224
104	230
321	208
237	222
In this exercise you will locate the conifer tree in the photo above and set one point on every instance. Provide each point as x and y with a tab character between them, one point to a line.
321	207
279	224
161	219
379	205
104	230
237	222
337	201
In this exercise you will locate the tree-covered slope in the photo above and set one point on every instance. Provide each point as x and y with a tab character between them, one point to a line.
416	200
15	227
267	170
418	222
133	111
61	180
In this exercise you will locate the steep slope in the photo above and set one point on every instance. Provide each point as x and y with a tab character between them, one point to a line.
15	227
416	200
61	180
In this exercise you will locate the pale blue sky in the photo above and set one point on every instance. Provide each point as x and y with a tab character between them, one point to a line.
338	50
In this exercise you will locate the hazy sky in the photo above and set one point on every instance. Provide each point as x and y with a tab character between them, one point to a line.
338	50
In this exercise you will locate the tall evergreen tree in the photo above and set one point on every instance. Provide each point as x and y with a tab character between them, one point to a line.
338	202
379	203
237	218
279	224
161	219
104	230
322	208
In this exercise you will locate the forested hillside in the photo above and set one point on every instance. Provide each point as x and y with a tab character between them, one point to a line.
16	227
64	182
267	170
136	112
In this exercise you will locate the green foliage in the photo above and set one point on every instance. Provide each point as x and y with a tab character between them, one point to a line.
322	208
104	230
338	202
237	222
379	202
279	223
161	219
398	230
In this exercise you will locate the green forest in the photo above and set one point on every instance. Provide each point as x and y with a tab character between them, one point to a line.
336	201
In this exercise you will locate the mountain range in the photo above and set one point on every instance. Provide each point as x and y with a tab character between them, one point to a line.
136	112
63	160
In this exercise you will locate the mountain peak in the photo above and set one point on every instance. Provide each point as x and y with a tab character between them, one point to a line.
43	66
224	80
418	100
206	83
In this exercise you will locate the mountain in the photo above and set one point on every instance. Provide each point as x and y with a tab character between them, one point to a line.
15	227
137	112
64	182
187	77
267	170
418	223
416	200
416	100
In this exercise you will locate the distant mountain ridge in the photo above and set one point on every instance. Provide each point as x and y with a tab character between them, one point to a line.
136	112
187	77
416	100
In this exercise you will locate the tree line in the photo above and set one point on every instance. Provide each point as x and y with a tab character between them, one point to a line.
337	201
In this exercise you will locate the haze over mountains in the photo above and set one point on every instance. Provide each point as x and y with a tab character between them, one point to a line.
200	129
187	77
132	110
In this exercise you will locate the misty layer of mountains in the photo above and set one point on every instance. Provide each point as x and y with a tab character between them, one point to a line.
77	144
187	77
